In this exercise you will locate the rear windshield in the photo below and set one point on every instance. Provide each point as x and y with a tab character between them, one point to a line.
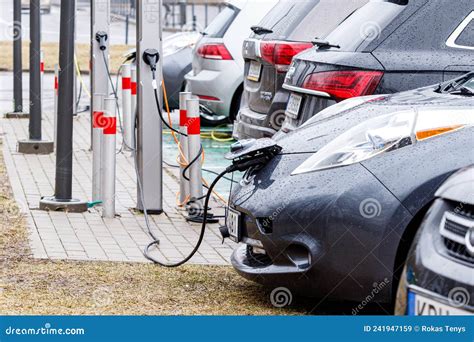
307	19
221	23
466	38
365	25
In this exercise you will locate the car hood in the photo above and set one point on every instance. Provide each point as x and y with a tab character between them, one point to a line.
329	124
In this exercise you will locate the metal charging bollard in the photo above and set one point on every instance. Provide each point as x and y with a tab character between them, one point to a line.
184	191
97	123
109	132
194	147
55	119
127	105
133	102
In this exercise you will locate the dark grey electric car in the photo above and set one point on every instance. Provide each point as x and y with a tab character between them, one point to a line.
336	210
439	278
382	48
285	31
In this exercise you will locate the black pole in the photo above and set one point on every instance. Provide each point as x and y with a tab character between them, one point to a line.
126	28
63	189
62	199
17	67
35	73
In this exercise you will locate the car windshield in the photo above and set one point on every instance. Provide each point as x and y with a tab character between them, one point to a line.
469	84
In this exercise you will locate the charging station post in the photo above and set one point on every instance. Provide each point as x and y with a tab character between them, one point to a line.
184	192
133	103
62	198
149	127
97	118
34	144
127	105
18	110
107	178
194	147
100	23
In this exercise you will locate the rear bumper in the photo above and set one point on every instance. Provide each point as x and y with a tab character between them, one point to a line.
220	84
251	125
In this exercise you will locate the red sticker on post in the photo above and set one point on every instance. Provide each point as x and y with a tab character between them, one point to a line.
134	88
97	119
110	126
182	117
126	83
194	126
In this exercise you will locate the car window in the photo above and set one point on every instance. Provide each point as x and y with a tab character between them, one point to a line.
324	18
463	36
365	25
221	23
304	20
284	17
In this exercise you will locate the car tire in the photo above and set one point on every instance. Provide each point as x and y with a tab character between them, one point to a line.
206	120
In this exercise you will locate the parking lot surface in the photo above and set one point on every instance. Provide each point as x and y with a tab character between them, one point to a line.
88	236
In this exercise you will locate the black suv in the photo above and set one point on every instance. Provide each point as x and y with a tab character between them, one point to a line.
285	31
384	47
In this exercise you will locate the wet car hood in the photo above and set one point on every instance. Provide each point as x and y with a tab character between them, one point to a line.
326	126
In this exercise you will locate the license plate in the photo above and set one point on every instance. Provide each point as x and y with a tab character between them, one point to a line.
294	104
254	71
233	224
423	306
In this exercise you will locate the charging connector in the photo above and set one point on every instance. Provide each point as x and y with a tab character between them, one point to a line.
101	37
151	58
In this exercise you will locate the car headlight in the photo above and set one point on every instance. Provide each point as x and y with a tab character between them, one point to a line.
386	133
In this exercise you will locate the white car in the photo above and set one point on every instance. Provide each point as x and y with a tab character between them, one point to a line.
218	65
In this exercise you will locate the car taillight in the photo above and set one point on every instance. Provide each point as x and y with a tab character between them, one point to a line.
214	51
342	85
280	54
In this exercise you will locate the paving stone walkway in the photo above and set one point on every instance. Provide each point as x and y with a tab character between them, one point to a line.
87	236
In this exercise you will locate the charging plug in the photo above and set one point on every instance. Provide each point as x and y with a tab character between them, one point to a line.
151	58
101	38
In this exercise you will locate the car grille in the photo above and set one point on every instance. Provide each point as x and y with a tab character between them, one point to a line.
454	228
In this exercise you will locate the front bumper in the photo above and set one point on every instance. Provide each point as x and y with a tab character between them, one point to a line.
221	84
431	271
320	242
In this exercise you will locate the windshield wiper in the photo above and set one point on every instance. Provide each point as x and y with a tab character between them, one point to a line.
260	30
462	91
320	43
